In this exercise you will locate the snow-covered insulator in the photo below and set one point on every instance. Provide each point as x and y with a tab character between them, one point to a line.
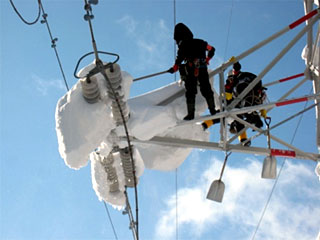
127	166
115	92
112	176
117	114
90	89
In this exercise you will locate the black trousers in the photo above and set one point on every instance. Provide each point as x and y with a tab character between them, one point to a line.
191	83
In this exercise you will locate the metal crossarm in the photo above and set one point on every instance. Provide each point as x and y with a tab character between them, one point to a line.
186	143
238	111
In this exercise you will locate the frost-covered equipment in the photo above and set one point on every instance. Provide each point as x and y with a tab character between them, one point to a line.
128	167
90	89
116	94
113	182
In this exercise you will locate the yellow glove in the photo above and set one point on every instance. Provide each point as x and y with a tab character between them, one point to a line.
228	96
263	113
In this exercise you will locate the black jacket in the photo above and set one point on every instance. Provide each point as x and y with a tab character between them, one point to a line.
191	49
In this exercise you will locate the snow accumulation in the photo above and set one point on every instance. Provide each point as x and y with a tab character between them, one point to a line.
88	131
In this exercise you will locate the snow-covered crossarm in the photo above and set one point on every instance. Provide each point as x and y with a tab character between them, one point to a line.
186	143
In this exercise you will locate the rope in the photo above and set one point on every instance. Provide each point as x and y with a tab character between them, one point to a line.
276	180
20	16
110	220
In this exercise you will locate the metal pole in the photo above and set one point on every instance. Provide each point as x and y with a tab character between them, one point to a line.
307	155
283	80
237	111
282	122
280	99
187	143
149	76
222	102
262	43
272	63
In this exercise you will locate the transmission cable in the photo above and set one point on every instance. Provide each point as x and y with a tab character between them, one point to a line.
53	43
20	16
53	40
175	79
174	42
114	231
228	33
276	180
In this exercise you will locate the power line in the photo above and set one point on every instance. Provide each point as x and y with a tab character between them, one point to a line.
228	33
114	231
174	43
20	16
276	181
53	43
53	40
175	79
177	223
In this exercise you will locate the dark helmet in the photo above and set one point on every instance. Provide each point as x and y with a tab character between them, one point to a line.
236	66
182	32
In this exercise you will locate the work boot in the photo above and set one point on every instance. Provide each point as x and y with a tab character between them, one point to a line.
191	109
204	126
211	105
244	139
244	143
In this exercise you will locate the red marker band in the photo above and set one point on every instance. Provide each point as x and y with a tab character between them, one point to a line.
303	99
292	77
304	18
283	153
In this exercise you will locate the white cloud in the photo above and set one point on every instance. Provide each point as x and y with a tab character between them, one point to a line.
152	39
129	23
244	199
44	86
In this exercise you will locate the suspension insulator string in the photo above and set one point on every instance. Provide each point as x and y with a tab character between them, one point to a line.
101	68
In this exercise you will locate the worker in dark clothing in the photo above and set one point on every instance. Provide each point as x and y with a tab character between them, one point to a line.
193	52
234	86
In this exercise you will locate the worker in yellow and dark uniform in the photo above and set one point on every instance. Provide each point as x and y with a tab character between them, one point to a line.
234	86
196	54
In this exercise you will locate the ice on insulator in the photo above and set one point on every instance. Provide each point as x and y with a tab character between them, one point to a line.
79	126
82	127
108	177
88	130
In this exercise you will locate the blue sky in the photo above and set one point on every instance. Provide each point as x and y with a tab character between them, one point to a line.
41	198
